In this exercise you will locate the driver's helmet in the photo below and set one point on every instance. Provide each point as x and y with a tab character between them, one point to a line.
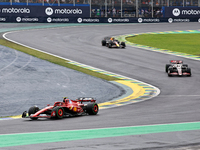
64	99
112	38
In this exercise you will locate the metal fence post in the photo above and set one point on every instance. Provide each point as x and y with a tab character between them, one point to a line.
105	8
152	8
136	8
90	8
121	8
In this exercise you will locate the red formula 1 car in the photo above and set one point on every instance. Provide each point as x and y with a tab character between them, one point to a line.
66	108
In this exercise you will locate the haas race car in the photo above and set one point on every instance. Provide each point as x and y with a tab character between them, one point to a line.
66	108
177	68
112	42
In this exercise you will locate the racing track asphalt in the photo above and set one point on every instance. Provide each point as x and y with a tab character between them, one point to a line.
178	101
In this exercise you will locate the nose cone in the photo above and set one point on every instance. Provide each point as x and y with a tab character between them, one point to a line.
179	71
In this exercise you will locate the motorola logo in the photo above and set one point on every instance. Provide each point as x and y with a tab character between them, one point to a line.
170	20
16	10
79	20
176	12
49	19
49	11
109	20
140	20
18	19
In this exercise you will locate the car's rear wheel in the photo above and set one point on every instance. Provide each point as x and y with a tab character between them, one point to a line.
92	108
33	110
57	112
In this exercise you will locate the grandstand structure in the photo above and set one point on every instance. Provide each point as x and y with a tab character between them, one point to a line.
112	8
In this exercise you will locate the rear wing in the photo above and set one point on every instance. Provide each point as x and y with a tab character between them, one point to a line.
86	99
176	61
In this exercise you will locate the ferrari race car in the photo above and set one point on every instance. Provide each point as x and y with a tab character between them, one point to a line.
177	68
66	108
112	42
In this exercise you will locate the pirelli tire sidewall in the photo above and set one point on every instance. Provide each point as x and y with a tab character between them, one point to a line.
92	108
59	112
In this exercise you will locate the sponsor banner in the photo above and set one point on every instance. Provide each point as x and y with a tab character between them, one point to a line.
174	20
58	20
120	20
171	20
44	11
89	20
25	19
182	12
52	19
148	20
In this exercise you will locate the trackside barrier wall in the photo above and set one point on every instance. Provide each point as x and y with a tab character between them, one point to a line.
25	19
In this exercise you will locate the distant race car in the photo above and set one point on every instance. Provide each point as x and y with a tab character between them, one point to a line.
66	108
112	42
177	68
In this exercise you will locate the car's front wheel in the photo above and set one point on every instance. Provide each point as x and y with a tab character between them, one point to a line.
170	70
103	43
189	71
33	110
166	67
123	44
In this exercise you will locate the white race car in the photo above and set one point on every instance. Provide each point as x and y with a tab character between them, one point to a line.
177	68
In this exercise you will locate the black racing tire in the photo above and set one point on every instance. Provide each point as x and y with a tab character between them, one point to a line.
169	71
33	110
123	44
59	112
167	67
109	45
92	108
103	42
169	75
189	71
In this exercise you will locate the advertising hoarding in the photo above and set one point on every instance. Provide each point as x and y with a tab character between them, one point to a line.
44	11
182	12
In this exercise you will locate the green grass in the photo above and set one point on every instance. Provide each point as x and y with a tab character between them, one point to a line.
185	43
54	59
